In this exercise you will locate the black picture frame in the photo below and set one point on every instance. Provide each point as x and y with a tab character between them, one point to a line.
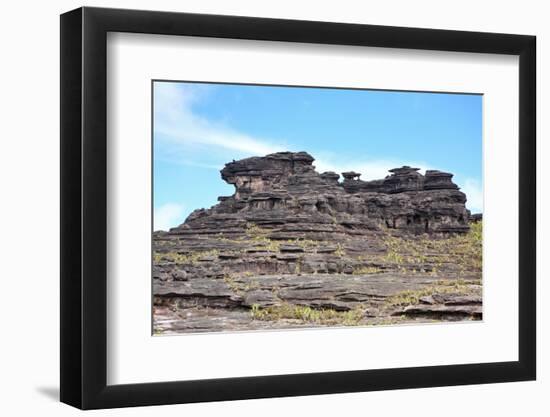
84	207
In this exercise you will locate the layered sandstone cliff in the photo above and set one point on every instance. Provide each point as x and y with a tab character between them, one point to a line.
293	247
283	193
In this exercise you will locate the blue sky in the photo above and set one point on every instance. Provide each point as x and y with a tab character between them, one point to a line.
198	127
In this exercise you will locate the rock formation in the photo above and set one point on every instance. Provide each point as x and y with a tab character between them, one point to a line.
284	193
290	236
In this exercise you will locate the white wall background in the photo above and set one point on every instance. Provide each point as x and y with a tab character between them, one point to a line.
29	172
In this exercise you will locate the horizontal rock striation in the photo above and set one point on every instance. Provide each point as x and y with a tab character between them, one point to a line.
291	240
283	192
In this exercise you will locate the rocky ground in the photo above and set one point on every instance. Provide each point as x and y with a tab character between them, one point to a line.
294	248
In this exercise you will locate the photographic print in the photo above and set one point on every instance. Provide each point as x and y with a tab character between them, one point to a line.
284	207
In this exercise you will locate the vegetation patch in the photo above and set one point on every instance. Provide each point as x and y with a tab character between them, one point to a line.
366	270
461	253
179	258
242	285
307	314
340	252
412	297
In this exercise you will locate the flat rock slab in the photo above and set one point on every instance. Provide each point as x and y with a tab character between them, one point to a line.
451	299
442	310
291	248
202	320
340	292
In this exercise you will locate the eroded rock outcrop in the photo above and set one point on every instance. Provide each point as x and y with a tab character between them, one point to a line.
293	247
284	193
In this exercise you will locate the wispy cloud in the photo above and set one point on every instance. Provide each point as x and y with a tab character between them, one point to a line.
178	124
474	192
181	131
168	215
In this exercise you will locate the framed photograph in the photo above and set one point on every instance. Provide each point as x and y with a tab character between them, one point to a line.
257	208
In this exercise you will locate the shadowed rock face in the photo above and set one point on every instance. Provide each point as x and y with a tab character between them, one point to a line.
282	192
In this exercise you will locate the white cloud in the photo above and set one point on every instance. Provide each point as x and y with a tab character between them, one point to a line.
168	215
474	192
183	131
176	121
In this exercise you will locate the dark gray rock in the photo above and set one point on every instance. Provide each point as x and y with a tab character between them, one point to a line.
262	298
291	248
289	235
441	311
477	217
179	275
283	191
330	177
288	256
